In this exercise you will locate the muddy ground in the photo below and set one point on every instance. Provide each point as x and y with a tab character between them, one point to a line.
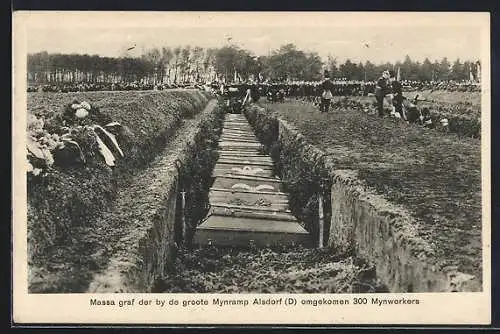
277	270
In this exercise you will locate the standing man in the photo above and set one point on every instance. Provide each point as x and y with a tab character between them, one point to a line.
397	91
381	90
326	95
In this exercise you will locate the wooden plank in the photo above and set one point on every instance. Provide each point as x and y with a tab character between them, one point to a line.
255	178
238	140
276	195
254	214
237	124
240	136
240	163
226	207
240	154
237	131
238	145
228	199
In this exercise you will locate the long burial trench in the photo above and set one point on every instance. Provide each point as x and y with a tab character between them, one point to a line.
231	207
247	204
249	240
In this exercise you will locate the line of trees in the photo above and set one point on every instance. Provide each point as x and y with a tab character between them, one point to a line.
195	64
409	69
155	66
176	65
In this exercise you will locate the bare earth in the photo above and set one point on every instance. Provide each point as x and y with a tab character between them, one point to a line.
436	176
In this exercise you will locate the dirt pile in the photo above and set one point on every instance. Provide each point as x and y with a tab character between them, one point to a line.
62	200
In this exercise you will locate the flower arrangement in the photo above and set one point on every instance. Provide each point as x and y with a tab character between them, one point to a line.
73	138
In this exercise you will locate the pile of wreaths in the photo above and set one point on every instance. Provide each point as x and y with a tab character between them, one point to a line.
71	138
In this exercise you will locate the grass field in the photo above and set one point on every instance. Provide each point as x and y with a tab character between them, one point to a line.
436	176
472	99
447	104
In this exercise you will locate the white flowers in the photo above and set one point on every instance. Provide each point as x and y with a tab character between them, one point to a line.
81	113
31	169
41	149
41	145
82	109
85	105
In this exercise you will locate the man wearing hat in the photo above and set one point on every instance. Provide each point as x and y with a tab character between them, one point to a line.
381	90
326	95
397	91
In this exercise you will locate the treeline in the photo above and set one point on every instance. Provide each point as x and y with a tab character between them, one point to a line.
155	66
177	65
425	71
229	63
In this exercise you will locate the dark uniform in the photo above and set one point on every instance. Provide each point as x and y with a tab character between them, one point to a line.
381	90
327	88
397	90
254	93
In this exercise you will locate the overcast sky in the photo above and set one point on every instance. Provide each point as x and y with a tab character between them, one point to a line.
377	37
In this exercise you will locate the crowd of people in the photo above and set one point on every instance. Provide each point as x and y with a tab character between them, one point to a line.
340	87
450	86
68	87
387	91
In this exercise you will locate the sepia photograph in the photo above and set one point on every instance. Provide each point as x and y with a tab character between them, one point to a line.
340	157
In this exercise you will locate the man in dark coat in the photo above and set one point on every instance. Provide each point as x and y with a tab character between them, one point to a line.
381	90
254	92
397	91
327	88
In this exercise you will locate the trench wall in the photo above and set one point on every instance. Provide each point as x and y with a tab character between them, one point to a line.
67	198
81	217
148	249
357	219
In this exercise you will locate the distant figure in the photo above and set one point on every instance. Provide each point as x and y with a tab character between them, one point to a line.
381	90
254	93
326	95
397	91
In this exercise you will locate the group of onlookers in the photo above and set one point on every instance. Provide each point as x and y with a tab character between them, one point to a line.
339	87
450	85
89	87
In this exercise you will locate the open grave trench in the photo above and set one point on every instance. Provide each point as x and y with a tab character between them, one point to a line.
209	213
281	218
239	203
236	232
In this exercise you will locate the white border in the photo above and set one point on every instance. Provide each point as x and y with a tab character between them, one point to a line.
434	308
